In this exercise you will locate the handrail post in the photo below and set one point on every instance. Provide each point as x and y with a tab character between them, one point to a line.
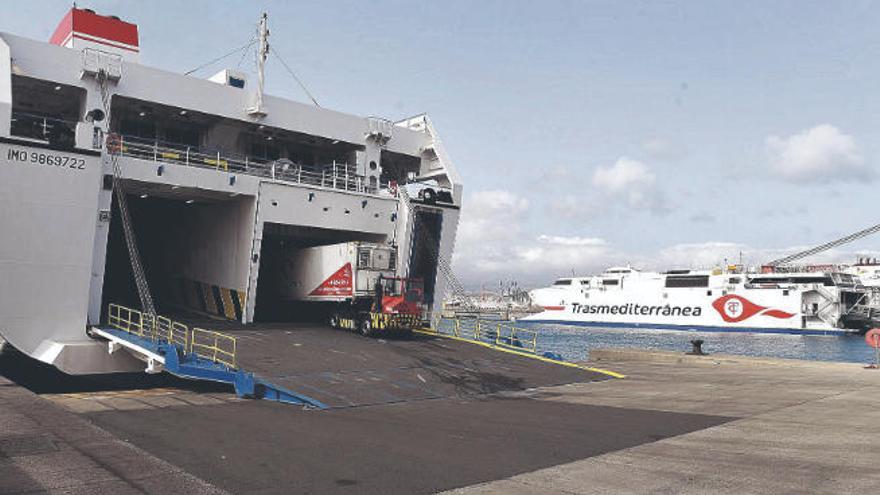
155	150
217	166
273	170
187	155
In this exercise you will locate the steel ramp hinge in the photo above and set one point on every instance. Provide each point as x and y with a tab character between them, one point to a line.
154	366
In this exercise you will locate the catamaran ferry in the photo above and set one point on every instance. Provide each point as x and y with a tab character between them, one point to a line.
732	299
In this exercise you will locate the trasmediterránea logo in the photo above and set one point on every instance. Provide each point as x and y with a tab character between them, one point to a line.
734	309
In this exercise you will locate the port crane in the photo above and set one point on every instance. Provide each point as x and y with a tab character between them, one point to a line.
825	247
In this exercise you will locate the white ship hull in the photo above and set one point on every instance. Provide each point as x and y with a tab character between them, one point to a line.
643	300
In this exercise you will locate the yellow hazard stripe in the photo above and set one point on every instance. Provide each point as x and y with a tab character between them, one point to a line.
524	354
210	304
228	308
220	163
242	295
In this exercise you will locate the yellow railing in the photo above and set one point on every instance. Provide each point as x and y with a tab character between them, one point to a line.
128	320
218	347
500	334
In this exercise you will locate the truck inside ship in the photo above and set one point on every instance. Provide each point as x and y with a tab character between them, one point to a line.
278	242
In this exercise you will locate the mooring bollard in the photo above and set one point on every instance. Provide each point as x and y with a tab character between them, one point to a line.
697	349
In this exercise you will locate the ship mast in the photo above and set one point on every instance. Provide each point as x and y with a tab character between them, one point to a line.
262	54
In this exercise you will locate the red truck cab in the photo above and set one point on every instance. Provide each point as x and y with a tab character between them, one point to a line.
400	296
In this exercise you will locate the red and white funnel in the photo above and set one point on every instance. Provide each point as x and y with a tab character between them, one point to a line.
83	28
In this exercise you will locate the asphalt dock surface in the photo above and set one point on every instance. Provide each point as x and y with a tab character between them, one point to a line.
669	427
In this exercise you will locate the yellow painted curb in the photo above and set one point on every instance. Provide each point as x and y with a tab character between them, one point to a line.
524	354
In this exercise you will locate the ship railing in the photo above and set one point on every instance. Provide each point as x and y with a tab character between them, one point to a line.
217	347
333	175
488	331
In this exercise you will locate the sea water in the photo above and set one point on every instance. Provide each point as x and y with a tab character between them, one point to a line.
574	343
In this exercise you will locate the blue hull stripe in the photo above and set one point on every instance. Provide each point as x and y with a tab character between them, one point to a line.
691	328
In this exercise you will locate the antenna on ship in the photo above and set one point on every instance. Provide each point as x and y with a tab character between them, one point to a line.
262	54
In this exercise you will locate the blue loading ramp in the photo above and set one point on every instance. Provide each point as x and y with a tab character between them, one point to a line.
178	361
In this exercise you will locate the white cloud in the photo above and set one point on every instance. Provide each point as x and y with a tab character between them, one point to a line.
710	254
571	241
532	260
494	214
624	175
701	255
632	181
491	246
570	206
822	153
497	201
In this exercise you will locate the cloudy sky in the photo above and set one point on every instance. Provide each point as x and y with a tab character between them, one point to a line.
663	134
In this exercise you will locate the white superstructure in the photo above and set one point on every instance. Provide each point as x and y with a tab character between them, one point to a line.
217	176
726	300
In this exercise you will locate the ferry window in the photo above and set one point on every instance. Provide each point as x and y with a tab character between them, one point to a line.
610	282
142	128
182	135
687	281
734	280
259	148
806	280
564	281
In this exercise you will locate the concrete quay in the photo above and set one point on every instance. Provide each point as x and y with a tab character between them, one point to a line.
675	424
803	427
45	448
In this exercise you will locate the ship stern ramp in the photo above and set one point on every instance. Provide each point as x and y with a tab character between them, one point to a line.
319	367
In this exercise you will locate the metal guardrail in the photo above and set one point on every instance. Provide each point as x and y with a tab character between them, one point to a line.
499	334
332	175
217	347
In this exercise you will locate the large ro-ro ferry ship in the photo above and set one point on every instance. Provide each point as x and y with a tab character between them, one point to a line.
128	186
800	302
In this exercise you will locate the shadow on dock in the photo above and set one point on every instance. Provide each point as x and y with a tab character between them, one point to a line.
41	378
